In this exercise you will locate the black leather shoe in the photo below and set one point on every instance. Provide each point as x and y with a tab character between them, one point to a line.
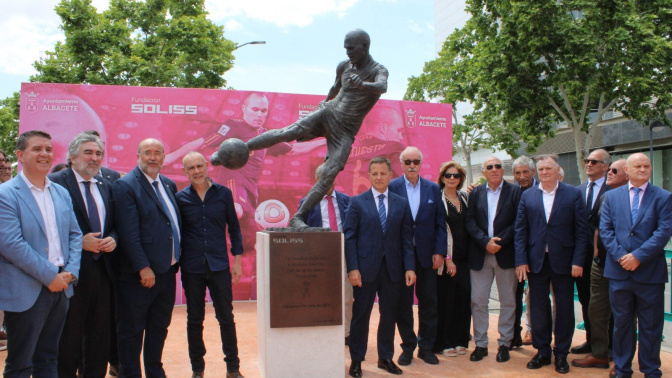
389	366
114	369
503	354
405	358
517	342
428	357
233	374
561	365
582	349
356	369
538	361
478	354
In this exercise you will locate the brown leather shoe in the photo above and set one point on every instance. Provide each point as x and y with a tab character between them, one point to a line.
591	361
233	374
527	340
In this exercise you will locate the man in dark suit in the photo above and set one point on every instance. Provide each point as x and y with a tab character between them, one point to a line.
635	226
597	165
330	213
148	223
430	243
86	333
40	248
490	223
378	250
550	241
524	171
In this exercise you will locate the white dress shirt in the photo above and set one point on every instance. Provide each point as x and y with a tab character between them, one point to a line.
385	201
324	210
548	198
641	193
413	194
171	209
46	205
95	192
493	200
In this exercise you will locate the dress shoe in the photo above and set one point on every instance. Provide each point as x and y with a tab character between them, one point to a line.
561	365
405	358
582	349
591	361
114	370
347	340
517	342
527	339
389	366
478	354
538	361
503	354
356	369
614	375
234	374
199	374
428	357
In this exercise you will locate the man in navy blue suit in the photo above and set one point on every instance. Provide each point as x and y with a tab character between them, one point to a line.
430	248
550	241
635	226
491	215
148	225
379	254
86	335
330	213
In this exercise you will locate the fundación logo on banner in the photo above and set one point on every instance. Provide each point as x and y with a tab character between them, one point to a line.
32	101
410	118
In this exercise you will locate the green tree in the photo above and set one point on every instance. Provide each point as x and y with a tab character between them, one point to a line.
543	63
9	124
164	43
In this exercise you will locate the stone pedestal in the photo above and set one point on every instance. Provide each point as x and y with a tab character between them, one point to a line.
300	304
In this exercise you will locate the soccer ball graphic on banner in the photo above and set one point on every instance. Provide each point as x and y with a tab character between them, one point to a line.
232	154
272	213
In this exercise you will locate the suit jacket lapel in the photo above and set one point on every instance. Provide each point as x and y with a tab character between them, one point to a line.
104	189
76	195
169	191
484	200
23	191
538	192
556	200
144	183
502	199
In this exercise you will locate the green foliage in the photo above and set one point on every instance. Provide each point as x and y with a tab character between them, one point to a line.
530	64
9	125
165	43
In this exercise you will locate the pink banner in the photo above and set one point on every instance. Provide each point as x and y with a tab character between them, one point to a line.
270	186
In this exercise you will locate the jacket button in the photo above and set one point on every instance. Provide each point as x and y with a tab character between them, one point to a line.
632	233
167	223
46	250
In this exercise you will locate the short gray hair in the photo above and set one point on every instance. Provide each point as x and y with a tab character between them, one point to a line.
410	149
82	138
553	157
604	152
524	160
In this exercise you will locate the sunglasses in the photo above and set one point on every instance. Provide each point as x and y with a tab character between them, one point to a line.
416	162
451	175
592	161
614	170
490	166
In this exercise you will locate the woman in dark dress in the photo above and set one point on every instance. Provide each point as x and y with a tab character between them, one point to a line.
453	287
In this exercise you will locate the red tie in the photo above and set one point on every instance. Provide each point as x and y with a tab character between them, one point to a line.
333	223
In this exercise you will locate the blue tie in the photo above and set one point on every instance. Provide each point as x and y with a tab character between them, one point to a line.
635	204
381	210
176	235
94	216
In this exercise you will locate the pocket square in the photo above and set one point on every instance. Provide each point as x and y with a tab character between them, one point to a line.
430	201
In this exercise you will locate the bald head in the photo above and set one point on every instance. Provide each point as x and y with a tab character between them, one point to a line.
616	176
638	168
150	157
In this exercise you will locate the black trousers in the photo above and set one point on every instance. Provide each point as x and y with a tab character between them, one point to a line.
425	290
144	313
583	290
86	335
219	284
517	327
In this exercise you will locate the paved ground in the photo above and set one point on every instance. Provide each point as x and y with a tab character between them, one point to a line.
176	359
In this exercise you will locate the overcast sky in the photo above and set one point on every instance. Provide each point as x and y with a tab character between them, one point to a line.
304	40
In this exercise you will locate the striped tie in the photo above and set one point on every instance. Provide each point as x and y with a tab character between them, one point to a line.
635	203
381	210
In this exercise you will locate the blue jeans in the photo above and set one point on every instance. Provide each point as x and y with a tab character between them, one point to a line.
219	284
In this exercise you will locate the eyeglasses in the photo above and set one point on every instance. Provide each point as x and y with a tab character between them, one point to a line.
490	166
451	175
416	162
592	161
614	170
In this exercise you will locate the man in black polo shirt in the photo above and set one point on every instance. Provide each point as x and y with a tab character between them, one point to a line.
207	210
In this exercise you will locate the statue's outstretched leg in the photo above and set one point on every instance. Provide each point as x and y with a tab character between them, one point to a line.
275	136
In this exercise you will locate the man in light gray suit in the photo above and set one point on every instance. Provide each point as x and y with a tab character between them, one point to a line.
40	249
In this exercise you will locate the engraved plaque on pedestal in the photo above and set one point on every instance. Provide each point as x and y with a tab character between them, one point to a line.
306	279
